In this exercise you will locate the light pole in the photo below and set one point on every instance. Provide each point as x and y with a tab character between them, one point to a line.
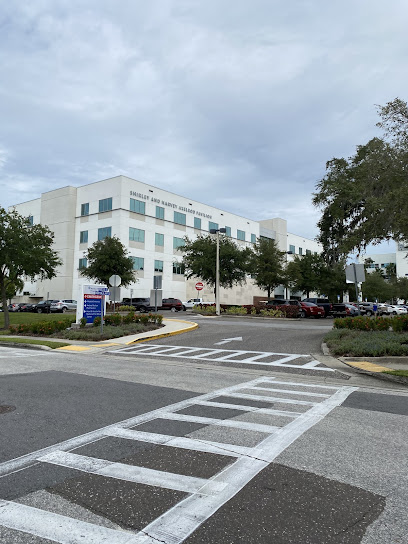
286	286
217	269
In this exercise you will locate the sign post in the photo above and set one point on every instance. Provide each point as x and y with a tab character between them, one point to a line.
114	280
355	274
199	286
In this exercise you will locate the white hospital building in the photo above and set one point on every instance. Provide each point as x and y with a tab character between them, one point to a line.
151	223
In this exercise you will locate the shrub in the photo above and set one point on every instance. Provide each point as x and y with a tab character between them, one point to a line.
126	308
357	343
399	323
97	322
113	319
236	310
364	323
82	322
205	309
271	313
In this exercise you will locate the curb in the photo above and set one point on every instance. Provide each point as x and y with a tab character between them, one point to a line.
26	346
164	335
364	369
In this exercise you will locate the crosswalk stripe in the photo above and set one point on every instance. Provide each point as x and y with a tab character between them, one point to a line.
181	442
222	422
246	408
132	473
57	528
270	399
290	392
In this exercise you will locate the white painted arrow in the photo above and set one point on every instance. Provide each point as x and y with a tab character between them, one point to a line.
226	340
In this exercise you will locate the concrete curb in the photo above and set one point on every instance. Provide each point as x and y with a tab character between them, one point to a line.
26	346
370	369
192	327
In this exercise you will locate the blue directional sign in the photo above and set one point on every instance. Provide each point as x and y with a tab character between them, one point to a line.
93	306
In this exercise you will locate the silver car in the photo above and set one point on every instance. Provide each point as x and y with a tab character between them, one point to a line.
63	305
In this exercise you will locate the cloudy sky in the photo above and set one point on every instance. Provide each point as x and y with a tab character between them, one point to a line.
235	103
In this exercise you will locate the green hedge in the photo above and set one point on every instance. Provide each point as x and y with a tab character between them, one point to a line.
44	328
397	324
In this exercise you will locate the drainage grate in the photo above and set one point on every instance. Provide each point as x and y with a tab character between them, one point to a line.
4	409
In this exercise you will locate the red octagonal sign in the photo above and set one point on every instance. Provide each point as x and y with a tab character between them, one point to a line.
199	286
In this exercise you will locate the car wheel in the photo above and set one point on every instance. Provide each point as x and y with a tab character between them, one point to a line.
173	309
302	313
39	310
184	308
143	309
369	312
394	313
63	310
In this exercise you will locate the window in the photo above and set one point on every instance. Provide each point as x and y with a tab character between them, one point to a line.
31	220
180	218
178	242
300	251
136	235
83	237
105	232
212	225
105	205
159	212
85	209
241	235
253	238
137	206
197	223
138	263
292	249
159	239
178	268
308	252
228	231
83	263
158	266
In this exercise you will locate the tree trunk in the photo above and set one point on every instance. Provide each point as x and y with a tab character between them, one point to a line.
269	292
4	301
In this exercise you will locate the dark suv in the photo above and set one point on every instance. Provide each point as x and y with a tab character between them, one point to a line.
141	304
282	302
323	302
144	305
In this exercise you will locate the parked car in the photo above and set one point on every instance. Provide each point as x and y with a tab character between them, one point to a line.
309	309
25	307
63	305
43	307
141	304
144	304
344	310
323	302
397	309
172	304
13	307
281	302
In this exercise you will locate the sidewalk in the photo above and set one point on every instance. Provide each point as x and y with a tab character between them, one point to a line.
171	327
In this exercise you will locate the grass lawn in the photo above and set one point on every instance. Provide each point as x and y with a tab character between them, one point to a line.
39	342
354	343
397	372
17	318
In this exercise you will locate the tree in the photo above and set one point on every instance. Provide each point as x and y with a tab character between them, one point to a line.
376	287
364	198
107	257
303	274
267	265
199	260
25	250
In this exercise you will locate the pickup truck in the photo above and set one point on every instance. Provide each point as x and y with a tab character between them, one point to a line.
193	301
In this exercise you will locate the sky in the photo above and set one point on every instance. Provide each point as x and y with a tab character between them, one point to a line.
237	104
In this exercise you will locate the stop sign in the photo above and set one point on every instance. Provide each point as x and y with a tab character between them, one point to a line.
199	286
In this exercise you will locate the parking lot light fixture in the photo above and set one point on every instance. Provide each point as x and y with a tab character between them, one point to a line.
217	269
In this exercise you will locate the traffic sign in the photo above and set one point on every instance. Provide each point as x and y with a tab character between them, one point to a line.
115	280
199	286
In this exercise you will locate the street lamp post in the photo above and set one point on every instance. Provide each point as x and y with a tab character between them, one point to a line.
217	269
286	287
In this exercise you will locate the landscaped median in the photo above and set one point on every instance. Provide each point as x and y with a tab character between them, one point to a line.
116	325
248	309
370	337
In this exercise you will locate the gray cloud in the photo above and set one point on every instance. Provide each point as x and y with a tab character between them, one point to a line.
235	104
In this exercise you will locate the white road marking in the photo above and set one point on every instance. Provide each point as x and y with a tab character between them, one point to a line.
132	473
205	496
6	353
59	528
227	340
175	525
223	422
181	442
251	357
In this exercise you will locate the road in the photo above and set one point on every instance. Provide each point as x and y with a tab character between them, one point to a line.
236	432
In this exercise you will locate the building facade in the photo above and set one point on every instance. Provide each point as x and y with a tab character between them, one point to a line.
152	224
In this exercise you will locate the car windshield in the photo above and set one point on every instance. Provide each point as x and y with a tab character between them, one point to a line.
308	303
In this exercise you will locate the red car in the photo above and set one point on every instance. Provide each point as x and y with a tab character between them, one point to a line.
309	309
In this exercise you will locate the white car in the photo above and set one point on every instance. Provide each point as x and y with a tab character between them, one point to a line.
397	310
63	305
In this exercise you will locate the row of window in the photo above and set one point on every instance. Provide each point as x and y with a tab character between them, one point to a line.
138	264
292	249
135	235
376	265
138	206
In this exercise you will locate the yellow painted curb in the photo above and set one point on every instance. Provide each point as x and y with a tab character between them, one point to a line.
74	348
370	367
164	335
